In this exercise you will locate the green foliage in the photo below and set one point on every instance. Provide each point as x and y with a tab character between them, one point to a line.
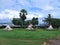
20	21
27	22
35	21
48	19
55	22
23	14
17	21
23	11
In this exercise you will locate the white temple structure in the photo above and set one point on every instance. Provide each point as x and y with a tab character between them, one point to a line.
50	27
30	27
8	28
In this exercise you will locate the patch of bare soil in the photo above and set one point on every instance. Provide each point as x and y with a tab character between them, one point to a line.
54	41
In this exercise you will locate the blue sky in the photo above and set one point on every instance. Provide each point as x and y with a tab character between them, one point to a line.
36	8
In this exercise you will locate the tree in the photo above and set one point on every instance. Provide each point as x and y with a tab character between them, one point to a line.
48	19
23	14
35	21
17	21
55	22
28	22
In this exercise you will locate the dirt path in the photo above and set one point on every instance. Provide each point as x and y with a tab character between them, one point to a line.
54	41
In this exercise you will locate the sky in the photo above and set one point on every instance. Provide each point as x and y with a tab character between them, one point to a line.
10	9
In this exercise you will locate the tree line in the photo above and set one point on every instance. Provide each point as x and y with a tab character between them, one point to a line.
55	22
22	20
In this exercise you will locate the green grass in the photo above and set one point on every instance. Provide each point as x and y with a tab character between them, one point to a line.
24	37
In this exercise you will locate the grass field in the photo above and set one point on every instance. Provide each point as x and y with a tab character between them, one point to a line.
19	36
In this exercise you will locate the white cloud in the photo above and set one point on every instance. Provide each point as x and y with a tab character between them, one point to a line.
9	14
10	8
15	14
31	15
48	8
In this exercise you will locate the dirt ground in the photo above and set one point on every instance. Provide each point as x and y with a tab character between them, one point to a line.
54	41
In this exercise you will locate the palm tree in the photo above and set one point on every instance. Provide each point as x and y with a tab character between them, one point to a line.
49	19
